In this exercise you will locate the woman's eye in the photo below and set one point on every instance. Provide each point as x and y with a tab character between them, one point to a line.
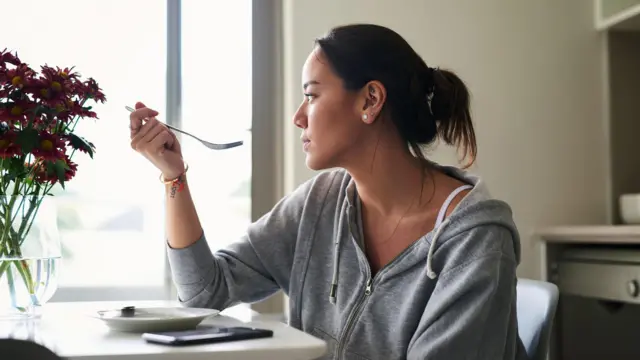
308	97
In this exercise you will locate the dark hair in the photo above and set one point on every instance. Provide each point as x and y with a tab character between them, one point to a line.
423	102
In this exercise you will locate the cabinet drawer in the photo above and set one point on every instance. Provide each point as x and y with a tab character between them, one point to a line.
607	281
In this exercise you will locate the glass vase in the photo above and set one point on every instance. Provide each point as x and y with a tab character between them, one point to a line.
30	253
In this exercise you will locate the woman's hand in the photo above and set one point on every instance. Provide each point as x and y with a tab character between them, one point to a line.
156	142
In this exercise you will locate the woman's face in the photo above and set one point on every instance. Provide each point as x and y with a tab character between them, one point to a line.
331	117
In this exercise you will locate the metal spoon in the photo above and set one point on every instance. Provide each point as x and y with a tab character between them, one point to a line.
208	144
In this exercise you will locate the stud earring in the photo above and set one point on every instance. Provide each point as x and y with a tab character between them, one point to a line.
365	117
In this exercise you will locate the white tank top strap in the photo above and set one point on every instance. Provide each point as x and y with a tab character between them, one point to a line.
445	206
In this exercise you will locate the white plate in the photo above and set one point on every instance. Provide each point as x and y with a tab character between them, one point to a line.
154	318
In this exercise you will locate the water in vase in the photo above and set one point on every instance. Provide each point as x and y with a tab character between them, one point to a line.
26	284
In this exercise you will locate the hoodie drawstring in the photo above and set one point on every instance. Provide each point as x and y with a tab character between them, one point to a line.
334	281
441	223
430	273
333	291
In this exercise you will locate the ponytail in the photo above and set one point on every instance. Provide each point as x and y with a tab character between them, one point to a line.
450	106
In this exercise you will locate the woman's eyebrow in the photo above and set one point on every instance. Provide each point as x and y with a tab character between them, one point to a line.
311	82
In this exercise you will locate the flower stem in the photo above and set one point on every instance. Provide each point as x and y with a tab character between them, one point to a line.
8	220
3	267
25	273
11	242
12	291
27	221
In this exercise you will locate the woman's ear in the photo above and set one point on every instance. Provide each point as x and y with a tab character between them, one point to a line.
374	95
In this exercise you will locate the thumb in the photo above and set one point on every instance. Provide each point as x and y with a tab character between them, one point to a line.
140	105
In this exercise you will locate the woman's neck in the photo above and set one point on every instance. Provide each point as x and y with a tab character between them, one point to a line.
389	179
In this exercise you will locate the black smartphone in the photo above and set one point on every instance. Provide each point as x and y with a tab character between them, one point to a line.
204	335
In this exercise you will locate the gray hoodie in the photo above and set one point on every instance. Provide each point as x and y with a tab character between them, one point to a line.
450	295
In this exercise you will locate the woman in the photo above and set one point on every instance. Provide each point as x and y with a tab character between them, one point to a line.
390	255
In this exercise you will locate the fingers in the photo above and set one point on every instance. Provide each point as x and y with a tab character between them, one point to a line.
160	142
145	129
146	140
137	117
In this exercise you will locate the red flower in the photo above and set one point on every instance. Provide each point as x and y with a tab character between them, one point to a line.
7	57
56	85
47	171
65	75
8	146
52	86
16	112
17	77
92	91
71	169
46	91
65	111
49	147
39	172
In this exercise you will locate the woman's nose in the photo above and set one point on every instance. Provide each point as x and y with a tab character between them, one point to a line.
300	118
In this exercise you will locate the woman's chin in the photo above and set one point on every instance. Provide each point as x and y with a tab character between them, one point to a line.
315	162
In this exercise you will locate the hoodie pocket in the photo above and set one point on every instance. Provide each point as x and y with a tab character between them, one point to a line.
332	343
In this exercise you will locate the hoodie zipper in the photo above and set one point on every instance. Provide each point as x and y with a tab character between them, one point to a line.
368	289
354	315
367	292
358	308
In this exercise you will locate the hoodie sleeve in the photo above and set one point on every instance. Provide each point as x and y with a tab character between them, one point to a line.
471	313
250	269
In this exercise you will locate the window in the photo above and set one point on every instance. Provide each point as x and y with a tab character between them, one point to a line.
111	214
216	104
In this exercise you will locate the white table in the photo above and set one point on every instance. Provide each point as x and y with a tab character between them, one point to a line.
67	329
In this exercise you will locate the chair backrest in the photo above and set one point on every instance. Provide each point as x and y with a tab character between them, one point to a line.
16	349
536	307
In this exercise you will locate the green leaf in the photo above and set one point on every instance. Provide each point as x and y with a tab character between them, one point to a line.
58	169
27	139
14	168
81	144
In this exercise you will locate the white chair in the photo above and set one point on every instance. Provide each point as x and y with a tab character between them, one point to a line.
536	307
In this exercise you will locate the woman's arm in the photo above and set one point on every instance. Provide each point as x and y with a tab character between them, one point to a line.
258	264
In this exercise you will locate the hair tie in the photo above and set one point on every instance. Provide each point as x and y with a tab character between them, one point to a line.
430	81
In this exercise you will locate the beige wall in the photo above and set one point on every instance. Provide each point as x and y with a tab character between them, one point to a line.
534	68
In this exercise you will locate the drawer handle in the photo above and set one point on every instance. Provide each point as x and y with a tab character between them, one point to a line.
633	288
